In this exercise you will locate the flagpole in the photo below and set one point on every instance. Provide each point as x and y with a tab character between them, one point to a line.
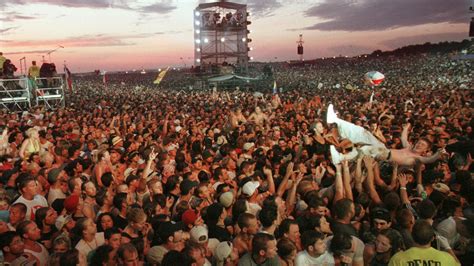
68	77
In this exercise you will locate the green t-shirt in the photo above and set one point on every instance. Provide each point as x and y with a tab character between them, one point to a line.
416	256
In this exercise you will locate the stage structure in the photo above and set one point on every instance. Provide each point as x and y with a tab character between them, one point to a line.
471	26
20	94
299	49
221	38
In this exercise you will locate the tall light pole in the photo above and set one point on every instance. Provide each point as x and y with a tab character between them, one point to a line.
52	51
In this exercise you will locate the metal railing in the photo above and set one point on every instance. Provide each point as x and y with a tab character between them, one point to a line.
50	91
15	94
18	94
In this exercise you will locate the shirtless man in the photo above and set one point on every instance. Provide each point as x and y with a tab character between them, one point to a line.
258	116
237	118
276	101
408	156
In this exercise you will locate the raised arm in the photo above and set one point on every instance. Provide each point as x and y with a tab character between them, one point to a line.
291	199
346	180
404	137
377	179
320	171
468	162
393	182
419	178
271	184
379	119
402	179
284	182
338	184
358	175
374	195
112	123
430	159
151	158
377	133
165	126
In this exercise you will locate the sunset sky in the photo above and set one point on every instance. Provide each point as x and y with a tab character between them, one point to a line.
120	34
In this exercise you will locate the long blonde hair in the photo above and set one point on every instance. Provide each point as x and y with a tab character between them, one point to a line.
30	131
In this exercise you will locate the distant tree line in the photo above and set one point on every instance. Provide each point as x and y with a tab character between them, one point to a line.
432	48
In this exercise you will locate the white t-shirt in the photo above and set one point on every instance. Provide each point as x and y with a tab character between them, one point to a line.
304	259
216	185
37	202
357	253
54	194
159	253
231	174
447	228
86	247
254	208
41	256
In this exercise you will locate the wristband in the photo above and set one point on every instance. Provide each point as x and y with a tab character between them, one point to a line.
404	188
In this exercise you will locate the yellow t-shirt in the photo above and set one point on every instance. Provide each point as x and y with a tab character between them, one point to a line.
2	60
34	71
422	256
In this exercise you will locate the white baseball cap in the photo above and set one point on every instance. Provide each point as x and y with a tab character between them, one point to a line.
199	234
248	146
222	252
62	220
249	188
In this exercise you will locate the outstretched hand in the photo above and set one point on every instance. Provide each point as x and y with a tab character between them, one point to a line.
345	163
299	177
406	126
442	151
169	202
368	160
152	155
469	159
402	179
320	170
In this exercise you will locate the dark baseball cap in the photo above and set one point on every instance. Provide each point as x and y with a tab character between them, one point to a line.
382	214
167	229
186	186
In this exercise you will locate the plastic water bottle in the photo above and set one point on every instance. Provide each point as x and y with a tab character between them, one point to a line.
423	194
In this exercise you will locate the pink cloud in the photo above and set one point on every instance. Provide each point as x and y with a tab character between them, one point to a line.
80	41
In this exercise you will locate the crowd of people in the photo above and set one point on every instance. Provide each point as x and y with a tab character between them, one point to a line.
224	20
134	174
